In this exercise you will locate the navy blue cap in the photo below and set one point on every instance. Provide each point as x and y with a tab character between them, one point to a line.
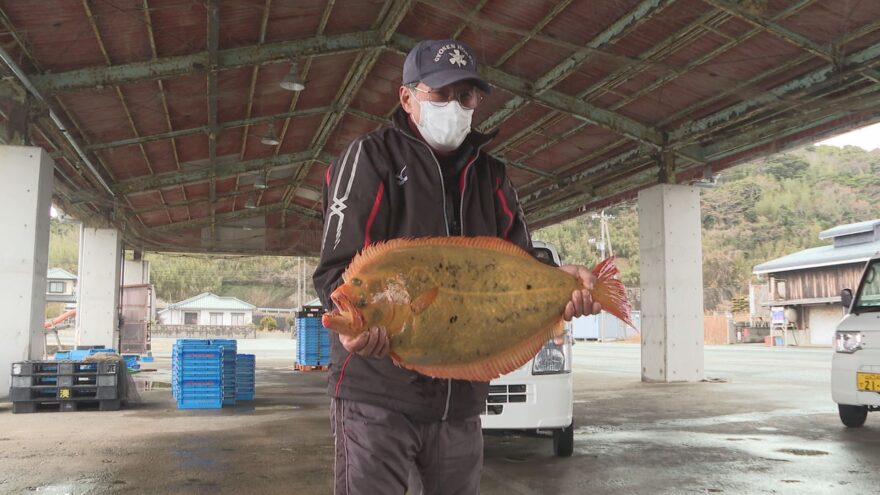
438	63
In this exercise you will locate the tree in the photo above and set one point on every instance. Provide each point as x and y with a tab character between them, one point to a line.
268	323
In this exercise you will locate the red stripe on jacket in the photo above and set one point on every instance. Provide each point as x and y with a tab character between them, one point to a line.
342	373
376	203
504	208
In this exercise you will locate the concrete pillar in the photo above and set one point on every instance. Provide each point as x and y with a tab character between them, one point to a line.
672	283
25	199
97	302
136	272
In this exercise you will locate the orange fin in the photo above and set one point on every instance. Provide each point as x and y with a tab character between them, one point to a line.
495	366
424	300
377	249
610	292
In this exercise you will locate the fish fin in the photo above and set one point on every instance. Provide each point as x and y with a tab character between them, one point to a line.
495	366
610	292
394	358
375	250
424	300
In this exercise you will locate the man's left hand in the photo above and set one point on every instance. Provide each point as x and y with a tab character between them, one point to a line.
581	303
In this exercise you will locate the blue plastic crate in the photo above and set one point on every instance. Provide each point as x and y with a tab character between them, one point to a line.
199	404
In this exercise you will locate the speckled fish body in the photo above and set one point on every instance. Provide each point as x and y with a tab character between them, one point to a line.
454	307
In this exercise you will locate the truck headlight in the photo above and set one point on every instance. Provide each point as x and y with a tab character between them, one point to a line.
848	341
549	360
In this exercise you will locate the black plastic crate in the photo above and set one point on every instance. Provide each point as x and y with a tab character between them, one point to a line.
66	406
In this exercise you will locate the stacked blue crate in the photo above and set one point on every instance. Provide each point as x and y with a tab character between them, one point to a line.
229	347
312	341
196	369
245	376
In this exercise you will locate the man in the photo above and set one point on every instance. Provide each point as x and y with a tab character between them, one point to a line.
425	175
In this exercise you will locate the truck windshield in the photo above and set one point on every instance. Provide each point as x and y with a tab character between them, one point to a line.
868	296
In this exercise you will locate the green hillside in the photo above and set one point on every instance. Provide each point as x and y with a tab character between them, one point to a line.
759	211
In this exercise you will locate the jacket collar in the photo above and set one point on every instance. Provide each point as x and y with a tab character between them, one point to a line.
400	121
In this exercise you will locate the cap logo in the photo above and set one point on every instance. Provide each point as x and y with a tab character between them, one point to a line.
457	58
457	54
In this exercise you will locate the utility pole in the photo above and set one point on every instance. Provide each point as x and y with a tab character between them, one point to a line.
603	242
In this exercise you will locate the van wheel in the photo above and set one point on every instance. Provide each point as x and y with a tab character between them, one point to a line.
563	441
852	416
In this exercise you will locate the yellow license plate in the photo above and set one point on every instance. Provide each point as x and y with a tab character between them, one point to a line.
868	382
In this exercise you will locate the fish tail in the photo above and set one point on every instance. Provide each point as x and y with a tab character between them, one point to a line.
610	292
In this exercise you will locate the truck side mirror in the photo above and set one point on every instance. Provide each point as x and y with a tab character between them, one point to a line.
846	297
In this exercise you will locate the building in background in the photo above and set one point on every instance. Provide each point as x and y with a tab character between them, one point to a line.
60	286
805	286
208	309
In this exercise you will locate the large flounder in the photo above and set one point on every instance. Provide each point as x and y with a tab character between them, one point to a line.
470	308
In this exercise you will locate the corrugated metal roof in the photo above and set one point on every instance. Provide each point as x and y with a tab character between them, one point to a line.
165	102
849	229
59	274
208	300
820	256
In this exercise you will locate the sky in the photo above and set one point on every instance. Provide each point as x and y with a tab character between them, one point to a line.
867	138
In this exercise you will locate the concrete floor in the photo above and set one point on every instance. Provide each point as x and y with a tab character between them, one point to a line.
763	423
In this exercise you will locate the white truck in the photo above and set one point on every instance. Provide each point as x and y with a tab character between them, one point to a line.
538	395
855	367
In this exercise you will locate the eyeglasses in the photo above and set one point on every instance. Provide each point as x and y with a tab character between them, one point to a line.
468	98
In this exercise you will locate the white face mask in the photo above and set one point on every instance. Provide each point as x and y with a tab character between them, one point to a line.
444	128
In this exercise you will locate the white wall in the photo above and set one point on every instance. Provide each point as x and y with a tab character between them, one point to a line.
25	198
176	317
97	314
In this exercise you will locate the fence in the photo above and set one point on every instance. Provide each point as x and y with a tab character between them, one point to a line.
205	331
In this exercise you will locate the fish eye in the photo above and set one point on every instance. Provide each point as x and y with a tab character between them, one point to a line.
356	281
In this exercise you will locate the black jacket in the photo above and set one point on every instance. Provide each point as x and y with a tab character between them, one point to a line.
388	184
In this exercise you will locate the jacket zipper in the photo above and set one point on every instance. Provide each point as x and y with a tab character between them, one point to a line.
446	224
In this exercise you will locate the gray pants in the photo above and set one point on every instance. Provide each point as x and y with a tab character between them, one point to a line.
378	450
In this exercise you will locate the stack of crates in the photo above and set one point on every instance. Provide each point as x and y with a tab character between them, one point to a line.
312	339
229	348
197	374
245	376
66	385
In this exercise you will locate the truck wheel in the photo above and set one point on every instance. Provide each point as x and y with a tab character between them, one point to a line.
563	441
852	416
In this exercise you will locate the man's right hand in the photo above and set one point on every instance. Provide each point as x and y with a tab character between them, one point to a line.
373	343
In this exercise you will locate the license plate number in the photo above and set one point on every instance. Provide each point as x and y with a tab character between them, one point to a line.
868	382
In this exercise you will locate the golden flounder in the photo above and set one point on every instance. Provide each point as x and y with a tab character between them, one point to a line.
470	308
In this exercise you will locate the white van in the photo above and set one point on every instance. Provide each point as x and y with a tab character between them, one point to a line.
538	395
855	368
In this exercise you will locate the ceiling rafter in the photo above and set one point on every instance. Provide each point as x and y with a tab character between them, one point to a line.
554	76
213	28
230	58
97	32
223	218
777	133
95	179
659	82
231	194
206	129
223	168
148	20
554	12
814	79
395	12
853	63
289	192
264	22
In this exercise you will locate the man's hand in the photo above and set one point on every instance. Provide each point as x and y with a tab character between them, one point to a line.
581	303
372	343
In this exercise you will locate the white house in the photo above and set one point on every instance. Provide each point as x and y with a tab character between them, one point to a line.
208	309
60	285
